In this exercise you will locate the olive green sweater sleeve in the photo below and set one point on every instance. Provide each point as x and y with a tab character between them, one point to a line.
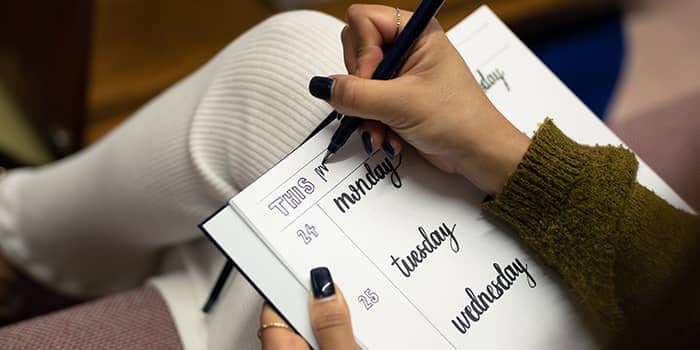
615	243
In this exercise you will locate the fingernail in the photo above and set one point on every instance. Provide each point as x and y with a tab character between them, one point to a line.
321	87
322	283
389	149
367	140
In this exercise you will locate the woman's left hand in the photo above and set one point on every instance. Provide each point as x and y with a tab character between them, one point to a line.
330	320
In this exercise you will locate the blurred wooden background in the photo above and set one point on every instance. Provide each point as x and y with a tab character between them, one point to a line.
105	58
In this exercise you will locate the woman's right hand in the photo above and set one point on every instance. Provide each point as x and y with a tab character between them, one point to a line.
434	104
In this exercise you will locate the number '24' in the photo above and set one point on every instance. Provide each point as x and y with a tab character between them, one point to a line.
308	234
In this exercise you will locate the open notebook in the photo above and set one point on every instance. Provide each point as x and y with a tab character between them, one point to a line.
420	266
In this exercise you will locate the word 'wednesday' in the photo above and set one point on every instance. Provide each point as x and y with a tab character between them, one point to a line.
480	302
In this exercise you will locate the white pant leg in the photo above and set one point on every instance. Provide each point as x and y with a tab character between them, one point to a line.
98	221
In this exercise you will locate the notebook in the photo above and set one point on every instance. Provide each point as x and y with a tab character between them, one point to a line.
420	265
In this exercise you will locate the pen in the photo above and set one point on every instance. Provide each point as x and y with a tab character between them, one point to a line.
388	67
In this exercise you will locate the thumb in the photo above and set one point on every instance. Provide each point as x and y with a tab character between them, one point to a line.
355	96
330	317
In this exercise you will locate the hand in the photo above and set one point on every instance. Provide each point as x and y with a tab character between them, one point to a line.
330	319
434	104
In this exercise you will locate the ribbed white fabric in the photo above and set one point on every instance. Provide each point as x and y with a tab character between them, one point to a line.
100	221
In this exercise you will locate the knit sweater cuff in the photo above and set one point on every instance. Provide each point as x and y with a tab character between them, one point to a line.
543	179
564	200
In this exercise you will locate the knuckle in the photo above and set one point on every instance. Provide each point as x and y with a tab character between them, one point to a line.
354	11
329	320
348	93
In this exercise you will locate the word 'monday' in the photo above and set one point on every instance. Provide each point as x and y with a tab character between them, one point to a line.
362	186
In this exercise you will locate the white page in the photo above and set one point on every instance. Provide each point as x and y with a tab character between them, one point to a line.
416	312
358	246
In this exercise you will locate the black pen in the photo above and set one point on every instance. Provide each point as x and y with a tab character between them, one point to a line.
388	67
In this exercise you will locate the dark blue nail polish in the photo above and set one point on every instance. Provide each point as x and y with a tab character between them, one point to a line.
389	149
322	283
367	141
321	87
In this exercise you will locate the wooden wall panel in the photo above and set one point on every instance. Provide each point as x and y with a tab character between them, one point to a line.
142	47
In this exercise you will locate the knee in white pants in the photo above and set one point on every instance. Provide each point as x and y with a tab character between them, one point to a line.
257	107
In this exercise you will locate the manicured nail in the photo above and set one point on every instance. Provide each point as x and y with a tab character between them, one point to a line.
322	283
321	87
389	149
367	140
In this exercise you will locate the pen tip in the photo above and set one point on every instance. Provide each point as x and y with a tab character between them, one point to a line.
326	157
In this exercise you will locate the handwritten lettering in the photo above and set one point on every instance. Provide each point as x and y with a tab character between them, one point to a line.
321	171
371	178
489	80
430	244
480	303
292	197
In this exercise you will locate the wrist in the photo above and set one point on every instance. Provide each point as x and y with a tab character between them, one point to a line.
514	149
494	159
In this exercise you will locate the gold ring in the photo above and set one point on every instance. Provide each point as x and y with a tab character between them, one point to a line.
398	22
271	325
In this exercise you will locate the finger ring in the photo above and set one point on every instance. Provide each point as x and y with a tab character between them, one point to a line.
398	22
265	326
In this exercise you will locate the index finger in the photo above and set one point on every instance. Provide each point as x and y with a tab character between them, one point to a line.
371	28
